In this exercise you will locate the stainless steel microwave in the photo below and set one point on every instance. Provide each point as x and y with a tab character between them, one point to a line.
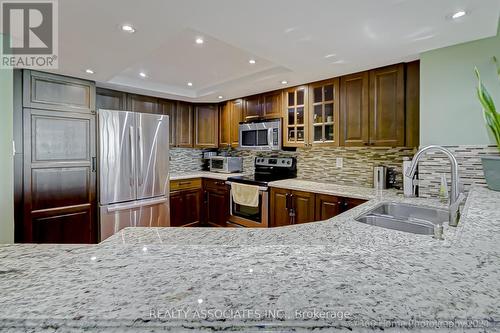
226	164
261	135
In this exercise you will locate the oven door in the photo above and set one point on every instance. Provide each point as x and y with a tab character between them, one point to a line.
253	217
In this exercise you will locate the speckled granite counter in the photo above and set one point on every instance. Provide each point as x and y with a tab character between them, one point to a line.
336	274
203	174
330	189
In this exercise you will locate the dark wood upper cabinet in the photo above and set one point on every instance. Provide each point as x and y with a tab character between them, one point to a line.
206	126
56	92
184	125
272	106
145	104
412	99
387	106
110	99
236	110
225	125
168	108
296	118
253	107
230	116
324	109
327	206
354	109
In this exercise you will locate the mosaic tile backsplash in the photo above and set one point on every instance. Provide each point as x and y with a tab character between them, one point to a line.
470	169
185	160
319	163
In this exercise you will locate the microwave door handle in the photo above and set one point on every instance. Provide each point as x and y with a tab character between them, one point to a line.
270	137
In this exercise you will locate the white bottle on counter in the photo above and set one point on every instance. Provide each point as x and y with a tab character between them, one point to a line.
408	186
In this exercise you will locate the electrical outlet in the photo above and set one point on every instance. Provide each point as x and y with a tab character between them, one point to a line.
339	162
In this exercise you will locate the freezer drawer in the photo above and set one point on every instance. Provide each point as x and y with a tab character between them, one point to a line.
140	213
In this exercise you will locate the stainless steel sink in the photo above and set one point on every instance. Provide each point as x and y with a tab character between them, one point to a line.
405	217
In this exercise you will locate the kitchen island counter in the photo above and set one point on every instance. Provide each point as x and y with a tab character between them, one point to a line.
336	273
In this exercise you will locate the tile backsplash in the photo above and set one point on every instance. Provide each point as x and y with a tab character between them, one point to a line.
319	163
185	160
470	168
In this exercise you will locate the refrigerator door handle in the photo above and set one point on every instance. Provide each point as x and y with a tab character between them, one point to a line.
141	155
132	155
135	204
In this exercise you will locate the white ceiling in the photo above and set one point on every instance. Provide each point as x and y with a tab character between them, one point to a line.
289	39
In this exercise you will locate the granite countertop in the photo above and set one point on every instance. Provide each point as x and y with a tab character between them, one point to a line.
336	273
357	192
203	174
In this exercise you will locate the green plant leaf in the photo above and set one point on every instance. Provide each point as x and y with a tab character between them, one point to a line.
491	117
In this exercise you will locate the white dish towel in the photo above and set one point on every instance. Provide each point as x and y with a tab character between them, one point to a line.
245	195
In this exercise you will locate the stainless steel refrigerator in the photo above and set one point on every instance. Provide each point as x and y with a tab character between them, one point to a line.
133	172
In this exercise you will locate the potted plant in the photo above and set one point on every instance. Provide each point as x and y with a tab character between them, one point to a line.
491	164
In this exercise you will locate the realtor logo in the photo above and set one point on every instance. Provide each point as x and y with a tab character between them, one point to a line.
30	38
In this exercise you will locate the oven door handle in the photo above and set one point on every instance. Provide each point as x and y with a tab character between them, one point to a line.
230	204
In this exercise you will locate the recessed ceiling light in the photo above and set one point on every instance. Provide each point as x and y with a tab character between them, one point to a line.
220	97
251	61
142	74
89	71
330	55
128	28
458	14
284	82
199	40
190	84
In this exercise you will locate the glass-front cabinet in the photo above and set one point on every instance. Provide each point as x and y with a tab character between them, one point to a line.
296	118
324	106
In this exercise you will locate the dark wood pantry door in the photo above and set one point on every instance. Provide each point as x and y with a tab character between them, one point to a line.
59	176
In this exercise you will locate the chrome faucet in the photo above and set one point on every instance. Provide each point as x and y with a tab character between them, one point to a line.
455	197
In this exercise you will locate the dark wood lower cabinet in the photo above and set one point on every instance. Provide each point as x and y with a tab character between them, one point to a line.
302	205
279	204
327	206
289	207
350	203
216	203
185	208
68	228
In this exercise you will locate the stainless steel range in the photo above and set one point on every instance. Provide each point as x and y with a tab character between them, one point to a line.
267	169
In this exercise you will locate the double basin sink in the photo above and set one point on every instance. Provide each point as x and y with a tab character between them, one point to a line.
405	217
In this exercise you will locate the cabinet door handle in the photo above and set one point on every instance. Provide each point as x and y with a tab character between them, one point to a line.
184	183
94	164
286	202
